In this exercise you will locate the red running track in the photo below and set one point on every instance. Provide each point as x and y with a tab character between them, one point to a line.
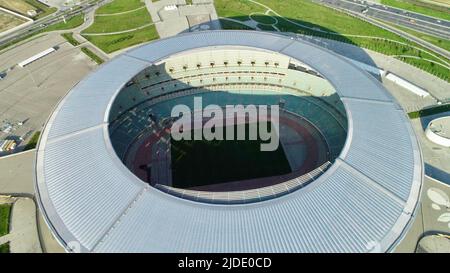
143	157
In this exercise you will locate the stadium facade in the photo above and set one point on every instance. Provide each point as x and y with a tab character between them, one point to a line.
363	198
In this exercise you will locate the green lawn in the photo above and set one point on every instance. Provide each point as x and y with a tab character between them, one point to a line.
418	7
127	21
70	23
233	25
263	19
443	43
429	111
312	15
4	248
121	22
33	141
5	212
110	43
200	162
69	38
306	17
430	67
238	9
266	27
119	6
92	55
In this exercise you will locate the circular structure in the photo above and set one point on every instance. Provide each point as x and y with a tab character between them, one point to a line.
363	198
311	122
438	131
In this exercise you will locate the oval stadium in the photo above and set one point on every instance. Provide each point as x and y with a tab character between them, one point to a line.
345	173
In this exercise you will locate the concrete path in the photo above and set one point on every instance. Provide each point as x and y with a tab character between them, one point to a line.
88	21
17	174
434	244
436	158
152	8
435	201
185	18
23	236
48	242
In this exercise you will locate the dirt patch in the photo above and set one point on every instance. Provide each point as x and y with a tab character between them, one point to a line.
8	21
18	6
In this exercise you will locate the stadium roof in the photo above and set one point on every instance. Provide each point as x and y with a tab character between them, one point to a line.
367	196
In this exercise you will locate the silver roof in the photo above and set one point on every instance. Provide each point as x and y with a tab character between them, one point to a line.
367	196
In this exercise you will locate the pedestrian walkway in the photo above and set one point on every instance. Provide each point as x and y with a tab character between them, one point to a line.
23	236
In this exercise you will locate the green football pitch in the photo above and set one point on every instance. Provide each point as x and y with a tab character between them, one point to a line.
201	162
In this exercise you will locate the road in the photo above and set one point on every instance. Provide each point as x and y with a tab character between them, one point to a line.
425	44
51	19
426	24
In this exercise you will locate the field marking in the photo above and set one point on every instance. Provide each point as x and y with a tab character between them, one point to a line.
119	13
118	32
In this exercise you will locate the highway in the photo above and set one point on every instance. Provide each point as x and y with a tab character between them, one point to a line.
426	24
51	19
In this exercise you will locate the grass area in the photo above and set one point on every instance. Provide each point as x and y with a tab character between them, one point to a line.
415	6
69	38
9	21
111	43
429	111
33	141
430	67
70	23
121	22
263	19
5	212
92	55
306	17
442	43
119	6
197	162
4	248
127	21
236	9
22	6
322	19
266	27
233	25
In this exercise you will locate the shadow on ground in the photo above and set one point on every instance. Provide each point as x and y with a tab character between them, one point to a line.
313	33
438	174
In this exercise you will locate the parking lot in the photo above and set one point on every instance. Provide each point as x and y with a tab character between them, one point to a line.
29	94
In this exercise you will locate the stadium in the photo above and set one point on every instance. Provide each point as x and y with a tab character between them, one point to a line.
345	177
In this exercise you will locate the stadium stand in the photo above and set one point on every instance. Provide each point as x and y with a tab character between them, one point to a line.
371	192
262	79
